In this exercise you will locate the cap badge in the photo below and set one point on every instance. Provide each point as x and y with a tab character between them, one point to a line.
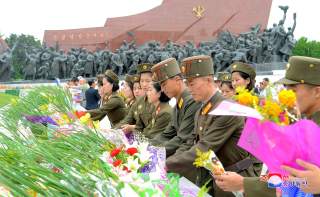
288	66
183	69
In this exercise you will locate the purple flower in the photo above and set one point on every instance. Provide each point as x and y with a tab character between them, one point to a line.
130	137
41	119
151	166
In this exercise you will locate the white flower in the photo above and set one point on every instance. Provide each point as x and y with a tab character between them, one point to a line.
144	154
133	164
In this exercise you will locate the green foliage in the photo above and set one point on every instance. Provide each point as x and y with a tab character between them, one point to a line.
5	99
305	47
18	57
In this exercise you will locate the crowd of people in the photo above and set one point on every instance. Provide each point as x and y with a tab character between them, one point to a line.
187	126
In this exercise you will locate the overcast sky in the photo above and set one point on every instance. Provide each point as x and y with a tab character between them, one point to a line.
34	16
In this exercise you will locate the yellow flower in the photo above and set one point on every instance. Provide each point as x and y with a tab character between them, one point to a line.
66	118
202	158
96	124
287	98
244	97
272	109
14	101
43	107
85	119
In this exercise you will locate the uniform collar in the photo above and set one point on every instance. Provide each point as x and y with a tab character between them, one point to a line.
214	100
131	101
181	100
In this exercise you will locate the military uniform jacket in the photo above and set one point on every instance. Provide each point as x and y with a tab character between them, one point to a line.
113	106
181	126
254	187
131	116
161	117
144	115
129	104
218	133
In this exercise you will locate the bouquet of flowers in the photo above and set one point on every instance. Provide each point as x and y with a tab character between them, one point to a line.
209	161
85	162
277	137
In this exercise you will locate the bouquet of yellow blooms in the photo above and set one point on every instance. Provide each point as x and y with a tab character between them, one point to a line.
278	110
209	161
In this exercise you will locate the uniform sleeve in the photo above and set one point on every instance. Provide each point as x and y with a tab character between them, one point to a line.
160	124
165	136
219	132
129	119
185	129
98	114
214	138
254	187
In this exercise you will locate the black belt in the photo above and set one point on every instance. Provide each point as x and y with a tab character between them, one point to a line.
240	165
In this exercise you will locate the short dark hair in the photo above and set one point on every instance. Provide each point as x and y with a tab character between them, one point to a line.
266	79
90	82
115	85
163	97
243	75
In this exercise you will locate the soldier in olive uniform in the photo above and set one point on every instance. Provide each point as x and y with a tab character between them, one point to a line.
180	128
226	87
302	76
112	104
161	116
129	122
217	133
145	108
243	75
141	110
128	91
220	78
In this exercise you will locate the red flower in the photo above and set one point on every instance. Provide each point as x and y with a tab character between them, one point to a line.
126	169
56	170
132	151
115	152
79	114
117	163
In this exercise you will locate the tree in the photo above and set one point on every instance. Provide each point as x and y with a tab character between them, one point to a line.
18	56
304	47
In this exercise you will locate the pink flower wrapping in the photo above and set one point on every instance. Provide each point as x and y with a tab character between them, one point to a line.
276	145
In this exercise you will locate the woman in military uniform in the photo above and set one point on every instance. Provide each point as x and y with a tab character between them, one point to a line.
226	87
137	90
302	76
243	75
129	122
161	117
128	91
112	104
